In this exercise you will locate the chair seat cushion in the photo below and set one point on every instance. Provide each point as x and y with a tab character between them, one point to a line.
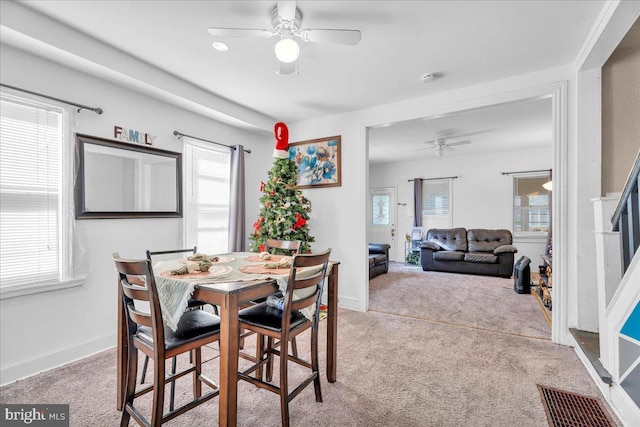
448	256
481	257
372	261
268	317
193	325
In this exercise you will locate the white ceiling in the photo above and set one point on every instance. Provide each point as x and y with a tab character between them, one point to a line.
506	127
466	42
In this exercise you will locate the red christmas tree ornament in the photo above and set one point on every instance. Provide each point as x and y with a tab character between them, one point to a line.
281	133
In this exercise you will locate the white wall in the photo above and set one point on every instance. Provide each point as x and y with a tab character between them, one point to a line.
482	196
40	331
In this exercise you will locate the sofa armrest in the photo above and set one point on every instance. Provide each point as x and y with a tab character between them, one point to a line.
430	245
505	249
379	248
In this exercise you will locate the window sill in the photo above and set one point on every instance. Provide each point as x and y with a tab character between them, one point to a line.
37	288
530	238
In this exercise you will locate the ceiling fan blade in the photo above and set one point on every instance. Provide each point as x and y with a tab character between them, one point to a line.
458	143
287	10
287	67
318	35
446	148
240	32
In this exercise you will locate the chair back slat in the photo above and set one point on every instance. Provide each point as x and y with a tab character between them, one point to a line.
139	317
309	282
293	246
134	292
301	303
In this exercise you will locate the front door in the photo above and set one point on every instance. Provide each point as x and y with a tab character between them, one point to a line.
382	218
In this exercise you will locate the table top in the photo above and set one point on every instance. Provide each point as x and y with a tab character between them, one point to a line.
174	291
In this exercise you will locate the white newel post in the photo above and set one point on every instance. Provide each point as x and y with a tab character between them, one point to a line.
608	268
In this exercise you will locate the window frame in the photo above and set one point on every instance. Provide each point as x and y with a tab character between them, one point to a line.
188	170
449	215
66	231
533	236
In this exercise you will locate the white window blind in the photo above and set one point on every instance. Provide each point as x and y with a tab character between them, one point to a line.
531	213
31	141
435	204
207	201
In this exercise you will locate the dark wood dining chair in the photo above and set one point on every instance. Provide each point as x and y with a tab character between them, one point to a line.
192	304
277	247
284	325
146	332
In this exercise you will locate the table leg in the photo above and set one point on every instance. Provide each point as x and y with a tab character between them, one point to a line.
332	324
229	347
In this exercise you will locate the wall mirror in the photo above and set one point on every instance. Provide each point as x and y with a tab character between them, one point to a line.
119	180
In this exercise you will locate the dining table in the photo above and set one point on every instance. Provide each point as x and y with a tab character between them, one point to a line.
235	279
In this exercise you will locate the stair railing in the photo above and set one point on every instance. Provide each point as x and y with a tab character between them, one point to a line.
626	218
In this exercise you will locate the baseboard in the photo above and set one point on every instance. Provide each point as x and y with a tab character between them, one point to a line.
350	303
53	360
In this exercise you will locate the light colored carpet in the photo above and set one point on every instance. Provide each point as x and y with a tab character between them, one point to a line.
393	370
482	302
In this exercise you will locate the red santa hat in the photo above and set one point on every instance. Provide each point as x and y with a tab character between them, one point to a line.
281	134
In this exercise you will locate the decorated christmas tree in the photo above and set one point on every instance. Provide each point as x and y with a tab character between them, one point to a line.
284	211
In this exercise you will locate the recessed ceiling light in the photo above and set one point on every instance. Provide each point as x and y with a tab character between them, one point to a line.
220	46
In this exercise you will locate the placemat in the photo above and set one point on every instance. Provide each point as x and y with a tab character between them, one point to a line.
256	258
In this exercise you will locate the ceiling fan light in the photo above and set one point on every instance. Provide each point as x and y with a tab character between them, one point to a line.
287	50
548	185
220	46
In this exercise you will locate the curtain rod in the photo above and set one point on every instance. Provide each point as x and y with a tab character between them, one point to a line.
80	106
180	135
431	179
539	170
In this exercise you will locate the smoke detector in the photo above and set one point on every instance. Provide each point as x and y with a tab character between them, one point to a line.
430	77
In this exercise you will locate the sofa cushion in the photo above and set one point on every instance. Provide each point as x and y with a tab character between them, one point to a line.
372	261
481	240
483	257
430	245
450	239
448	256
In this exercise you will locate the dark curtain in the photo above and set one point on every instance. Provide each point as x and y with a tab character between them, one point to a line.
236	203
417	202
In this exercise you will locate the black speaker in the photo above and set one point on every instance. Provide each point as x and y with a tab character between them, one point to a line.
522	276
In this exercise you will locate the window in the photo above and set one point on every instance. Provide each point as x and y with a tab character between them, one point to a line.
531	212
436	196
380	208
207	197
34	191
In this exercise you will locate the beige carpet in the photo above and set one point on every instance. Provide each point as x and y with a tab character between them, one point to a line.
482	302
393	370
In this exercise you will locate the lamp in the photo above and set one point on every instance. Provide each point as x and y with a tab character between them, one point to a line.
547	185
287	50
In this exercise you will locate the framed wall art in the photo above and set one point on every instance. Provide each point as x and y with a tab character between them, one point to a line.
318	162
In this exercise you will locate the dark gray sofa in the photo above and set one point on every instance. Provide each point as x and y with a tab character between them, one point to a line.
473	251
378	259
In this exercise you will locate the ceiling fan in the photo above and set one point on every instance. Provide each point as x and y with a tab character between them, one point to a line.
286	19
440	145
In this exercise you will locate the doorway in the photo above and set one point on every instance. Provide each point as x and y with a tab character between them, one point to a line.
382	220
